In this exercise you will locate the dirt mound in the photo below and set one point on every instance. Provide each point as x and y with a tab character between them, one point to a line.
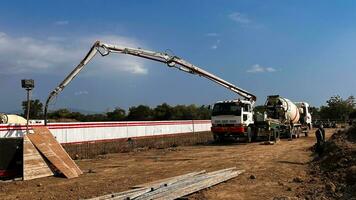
336	168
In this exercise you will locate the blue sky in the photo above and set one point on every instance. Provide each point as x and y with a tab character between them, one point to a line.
302	50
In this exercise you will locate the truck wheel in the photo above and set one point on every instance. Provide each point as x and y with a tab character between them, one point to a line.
216	138
307	131
249	134
219	138
290	134
275	135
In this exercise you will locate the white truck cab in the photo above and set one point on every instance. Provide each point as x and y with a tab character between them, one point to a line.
305	115
231	118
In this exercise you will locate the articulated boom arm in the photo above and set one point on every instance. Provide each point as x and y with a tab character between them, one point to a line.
171	61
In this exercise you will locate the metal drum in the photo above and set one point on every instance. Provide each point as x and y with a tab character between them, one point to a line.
12	119
282	109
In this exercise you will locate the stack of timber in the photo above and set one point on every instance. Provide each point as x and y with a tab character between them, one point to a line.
175	187
43	155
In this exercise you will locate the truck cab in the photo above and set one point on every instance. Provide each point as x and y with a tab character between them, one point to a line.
305	115
231	119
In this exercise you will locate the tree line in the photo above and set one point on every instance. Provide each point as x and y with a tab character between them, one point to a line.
134	113
336	108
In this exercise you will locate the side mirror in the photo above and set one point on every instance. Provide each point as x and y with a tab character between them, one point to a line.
209	107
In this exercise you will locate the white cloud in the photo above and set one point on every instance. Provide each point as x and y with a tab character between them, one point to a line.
78	93
61	23
239	18
56	54
56	38
212	34
260	69
215	45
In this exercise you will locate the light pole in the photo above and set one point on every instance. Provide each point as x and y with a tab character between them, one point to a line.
28	85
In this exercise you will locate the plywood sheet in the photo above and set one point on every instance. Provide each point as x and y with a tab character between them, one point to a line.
34	166
54	152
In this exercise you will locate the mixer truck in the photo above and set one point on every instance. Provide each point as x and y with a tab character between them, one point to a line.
294	118
12	119
236	119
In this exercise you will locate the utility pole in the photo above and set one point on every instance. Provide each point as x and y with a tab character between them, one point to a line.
28	85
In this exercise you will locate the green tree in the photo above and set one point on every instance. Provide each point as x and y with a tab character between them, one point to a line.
204	112
116	115
337	108
60	113
36	109
315	112
183	112
162	112
94	118
140	113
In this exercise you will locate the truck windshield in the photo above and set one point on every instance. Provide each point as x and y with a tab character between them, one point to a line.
226	109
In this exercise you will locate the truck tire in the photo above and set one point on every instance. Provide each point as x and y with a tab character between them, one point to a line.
249	134
275	135
216	138
290	134
307	131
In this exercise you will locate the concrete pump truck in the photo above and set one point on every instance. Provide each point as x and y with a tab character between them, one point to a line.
234	118
170	60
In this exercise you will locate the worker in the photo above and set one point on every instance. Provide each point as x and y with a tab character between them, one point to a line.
321	127
320	139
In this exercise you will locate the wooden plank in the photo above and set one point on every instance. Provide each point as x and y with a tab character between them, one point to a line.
177	193
124	194
34	166
64	155
168	181
147	187
184	183
175	187
54	152
186	189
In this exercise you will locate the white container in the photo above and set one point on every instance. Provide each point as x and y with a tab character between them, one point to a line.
13	119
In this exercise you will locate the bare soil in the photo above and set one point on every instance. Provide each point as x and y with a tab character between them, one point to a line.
272	171
336	167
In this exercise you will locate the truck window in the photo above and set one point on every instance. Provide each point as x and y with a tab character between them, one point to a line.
246	108
226	109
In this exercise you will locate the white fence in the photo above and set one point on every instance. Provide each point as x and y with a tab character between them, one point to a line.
101	131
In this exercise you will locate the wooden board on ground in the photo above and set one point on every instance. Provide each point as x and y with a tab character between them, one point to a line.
175	187
54	152
34	166
168	181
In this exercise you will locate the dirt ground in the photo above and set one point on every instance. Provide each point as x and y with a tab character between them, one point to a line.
279	171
